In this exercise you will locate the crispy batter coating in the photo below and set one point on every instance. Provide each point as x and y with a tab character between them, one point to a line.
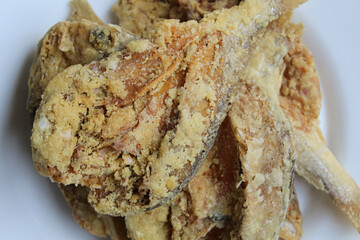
207	202
140	16
69	43
81	136
190	205
102	133
194	228
300	97
291	228
93	222
264	137
81	9
197	213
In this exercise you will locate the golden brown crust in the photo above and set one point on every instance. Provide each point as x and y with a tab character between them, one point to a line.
56	43
60	82
300	94
210	198
188	209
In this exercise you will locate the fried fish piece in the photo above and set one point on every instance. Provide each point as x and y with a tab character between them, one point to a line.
207	202
264	137
140	16
196	9
68	43
291	228
266	153
300	97
267	156
211	205
81	9
205	209
121	112
81	136
97	224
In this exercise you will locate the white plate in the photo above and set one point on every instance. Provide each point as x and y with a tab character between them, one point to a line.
32	208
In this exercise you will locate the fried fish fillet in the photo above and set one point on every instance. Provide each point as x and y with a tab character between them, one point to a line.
140	16
300	97
154	222
264	138
93	145
129	109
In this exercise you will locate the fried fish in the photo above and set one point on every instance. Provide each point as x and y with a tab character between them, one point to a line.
300	97
93	145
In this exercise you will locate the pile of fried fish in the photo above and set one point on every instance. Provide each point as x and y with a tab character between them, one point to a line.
186	120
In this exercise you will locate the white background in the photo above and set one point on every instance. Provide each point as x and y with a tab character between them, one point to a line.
32	208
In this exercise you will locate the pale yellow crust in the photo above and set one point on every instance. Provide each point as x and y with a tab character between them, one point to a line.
300	98
207	202
180	205
266	154
63	99
81	9
265	136
140	16
291	229
69	43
